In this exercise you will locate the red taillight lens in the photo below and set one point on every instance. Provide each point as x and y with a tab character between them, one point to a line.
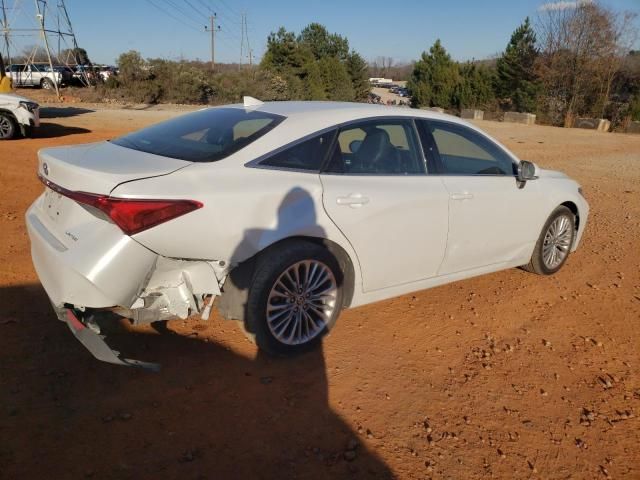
134	216
131	215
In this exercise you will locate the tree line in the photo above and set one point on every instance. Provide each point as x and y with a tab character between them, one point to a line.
574	62
568	62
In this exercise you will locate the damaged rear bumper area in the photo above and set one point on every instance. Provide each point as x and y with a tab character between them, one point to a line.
96	343
117	274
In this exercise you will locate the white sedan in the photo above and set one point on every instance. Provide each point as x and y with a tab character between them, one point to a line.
285	213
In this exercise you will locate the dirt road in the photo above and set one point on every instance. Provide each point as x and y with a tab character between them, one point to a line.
510	375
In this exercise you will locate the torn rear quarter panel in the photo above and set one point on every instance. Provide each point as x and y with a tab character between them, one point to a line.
175	288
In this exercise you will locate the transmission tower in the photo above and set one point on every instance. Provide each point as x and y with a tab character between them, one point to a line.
32	26
245	47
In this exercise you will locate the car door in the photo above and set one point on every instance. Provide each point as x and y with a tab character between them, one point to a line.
489	212
378	193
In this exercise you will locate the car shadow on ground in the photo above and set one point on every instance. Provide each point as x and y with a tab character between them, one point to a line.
209	413
63	112
54	130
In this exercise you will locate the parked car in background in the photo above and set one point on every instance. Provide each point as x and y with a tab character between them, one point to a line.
18	115
106	72
35	75
288	212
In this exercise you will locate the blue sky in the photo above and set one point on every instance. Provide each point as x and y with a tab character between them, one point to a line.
402	30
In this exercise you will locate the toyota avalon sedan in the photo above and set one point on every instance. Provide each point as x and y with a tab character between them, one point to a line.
283	214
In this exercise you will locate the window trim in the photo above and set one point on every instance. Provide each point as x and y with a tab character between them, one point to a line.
409	121
440	168
257	162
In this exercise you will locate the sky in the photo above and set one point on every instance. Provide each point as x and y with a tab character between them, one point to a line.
402	30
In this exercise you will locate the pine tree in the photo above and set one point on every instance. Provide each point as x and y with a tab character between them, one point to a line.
475	88
357	68
516	80
434	79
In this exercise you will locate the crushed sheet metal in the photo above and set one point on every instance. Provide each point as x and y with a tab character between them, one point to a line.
98	347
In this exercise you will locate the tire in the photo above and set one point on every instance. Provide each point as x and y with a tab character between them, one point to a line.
281	314
47	84
8	127
559	227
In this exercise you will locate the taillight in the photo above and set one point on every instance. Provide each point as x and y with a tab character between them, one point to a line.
131	215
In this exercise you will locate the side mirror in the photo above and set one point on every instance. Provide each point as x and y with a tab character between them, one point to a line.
527	171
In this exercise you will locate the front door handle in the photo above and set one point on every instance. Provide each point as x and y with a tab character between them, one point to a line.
461	196
353	200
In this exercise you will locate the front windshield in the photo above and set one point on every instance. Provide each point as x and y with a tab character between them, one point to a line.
203	136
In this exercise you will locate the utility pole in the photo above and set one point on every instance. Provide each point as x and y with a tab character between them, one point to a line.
241	41
246	34
212	29
5	30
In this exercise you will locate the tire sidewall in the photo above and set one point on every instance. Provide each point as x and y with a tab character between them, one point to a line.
558	212
272	263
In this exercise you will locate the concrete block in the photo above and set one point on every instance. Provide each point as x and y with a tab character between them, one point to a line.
472	114
599	124
633	127
517	117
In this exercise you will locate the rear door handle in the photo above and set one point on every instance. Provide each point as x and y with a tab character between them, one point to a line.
353	200
461	196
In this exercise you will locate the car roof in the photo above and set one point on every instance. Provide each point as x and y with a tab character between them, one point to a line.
316	115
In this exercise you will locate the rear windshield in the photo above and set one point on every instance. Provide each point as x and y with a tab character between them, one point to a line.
204	136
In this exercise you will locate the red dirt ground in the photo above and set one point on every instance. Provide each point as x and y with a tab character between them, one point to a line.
510	375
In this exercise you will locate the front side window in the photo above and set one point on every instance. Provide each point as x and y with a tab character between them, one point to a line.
382	147
462	151
306	155
203	136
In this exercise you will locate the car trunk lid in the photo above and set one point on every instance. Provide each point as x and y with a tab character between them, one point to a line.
101	167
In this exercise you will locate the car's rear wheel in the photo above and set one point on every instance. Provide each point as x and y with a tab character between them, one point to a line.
47	84
295	298
554	244
8	127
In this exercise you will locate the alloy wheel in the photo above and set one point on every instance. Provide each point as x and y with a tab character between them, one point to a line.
5	127
301	302
557	242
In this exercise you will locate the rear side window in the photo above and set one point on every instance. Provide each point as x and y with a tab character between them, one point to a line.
462	151
379	147
306	155
204	136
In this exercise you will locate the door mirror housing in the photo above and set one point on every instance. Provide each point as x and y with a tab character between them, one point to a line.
527	171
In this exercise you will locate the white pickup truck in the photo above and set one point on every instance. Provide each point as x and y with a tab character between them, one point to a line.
17	115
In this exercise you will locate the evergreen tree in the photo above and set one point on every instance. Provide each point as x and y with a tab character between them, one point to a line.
316	65
357	69
516	79
475	88
434	79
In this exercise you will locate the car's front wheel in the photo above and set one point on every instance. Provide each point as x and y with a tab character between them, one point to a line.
8	127
295	297
554	244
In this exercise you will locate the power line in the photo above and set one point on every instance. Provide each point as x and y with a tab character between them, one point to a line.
229	7
180	10
195	9
173	16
